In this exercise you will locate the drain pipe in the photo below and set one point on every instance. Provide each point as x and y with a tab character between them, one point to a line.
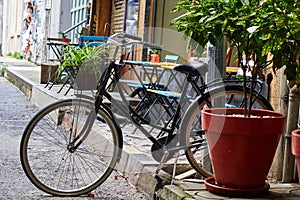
292	120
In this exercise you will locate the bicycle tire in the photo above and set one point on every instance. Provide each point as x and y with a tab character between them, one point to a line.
51	166
197	155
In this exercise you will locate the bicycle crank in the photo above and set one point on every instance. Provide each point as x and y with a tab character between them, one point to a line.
157	153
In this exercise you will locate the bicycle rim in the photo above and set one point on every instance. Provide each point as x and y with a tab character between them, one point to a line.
45	149
197	152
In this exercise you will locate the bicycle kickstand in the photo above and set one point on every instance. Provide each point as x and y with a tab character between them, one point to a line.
160	166
174	167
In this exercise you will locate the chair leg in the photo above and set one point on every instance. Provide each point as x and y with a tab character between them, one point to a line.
64	84
68	91
53	79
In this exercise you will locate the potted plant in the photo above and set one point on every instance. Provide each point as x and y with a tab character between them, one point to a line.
296	149
155	55
64	37
83	64
264	32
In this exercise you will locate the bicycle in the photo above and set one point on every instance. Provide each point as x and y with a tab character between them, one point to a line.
70	147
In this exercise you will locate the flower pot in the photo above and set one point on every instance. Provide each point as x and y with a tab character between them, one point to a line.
66	40
241	149
155	58
296	149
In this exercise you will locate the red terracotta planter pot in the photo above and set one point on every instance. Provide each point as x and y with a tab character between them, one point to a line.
241	149
296	149
155	58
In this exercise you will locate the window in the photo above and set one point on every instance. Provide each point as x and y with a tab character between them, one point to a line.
132	17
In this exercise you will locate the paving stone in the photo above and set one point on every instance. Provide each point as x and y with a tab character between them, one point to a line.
190	186
147	183
172	192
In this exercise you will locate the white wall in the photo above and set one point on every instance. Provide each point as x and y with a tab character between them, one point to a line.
65	15
13	28
11	32
59	20
54	19
1	25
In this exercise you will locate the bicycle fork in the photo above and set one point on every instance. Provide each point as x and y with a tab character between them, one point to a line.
72	147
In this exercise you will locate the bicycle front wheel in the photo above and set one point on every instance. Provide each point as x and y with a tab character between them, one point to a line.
68	150
197	150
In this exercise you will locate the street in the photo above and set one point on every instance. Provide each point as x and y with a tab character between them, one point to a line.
15	112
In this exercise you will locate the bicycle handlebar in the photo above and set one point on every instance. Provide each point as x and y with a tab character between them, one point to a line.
124	39
152	46
133	37
124	35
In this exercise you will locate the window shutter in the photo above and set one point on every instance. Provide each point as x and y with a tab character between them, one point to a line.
118	15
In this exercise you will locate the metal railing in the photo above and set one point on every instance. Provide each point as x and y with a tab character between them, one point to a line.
75	30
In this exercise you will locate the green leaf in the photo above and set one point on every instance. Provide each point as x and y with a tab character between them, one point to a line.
261	26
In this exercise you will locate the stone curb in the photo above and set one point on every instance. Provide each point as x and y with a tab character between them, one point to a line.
172	192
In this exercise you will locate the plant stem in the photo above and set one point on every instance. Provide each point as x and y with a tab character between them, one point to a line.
244	68
246	113
254	76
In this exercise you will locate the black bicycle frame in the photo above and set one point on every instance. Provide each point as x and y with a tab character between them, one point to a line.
134	117
111	74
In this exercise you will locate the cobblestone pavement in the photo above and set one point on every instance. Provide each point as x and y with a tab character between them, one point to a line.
15	112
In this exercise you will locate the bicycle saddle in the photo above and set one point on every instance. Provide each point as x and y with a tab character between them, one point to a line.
195	68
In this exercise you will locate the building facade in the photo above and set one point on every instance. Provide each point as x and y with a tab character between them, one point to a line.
11	26
34	21
26	24
148	19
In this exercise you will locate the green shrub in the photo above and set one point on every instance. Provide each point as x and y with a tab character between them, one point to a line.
2	70
17	55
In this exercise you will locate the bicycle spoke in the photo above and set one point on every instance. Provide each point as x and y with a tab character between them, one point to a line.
47	155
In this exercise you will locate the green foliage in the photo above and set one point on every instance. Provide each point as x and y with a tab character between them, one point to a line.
2	70
84	57
256	28
62	34
75	56
155	51
16	55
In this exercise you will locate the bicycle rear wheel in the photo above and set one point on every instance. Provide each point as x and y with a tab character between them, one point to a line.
48	151
195	141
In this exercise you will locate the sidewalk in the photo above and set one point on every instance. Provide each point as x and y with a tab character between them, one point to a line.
136	164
